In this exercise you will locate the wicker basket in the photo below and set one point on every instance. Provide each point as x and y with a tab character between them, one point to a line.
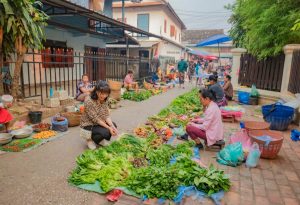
115	85
52	102
73	118
147	86
254	125
115	94
270	151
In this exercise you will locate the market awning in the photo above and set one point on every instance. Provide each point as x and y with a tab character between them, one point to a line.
83	19
203	54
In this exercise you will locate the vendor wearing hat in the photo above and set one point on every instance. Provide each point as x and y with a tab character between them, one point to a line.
218	90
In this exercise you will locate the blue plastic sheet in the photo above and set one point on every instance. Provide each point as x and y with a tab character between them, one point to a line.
191	191
295	135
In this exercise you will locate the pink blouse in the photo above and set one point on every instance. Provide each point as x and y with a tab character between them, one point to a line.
128	80
212	124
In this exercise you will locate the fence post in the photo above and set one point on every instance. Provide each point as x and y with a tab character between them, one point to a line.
288	51
236	63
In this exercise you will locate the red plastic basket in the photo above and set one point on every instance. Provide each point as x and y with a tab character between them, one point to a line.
270	151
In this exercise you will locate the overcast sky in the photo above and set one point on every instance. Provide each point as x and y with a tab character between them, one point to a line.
203	14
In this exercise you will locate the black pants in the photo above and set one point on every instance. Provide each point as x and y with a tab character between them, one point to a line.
228	98
99	133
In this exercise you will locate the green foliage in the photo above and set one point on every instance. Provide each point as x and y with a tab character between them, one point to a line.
137	96
296	27
23	20
264	27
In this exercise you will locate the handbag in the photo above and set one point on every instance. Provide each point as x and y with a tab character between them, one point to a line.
86	134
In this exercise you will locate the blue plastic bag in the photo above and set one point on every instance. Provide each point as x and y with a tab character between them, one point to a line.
295	135
253	156
231	155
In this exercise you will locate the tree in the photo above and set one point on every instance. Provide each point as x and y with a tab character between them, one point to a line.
264	27
21	28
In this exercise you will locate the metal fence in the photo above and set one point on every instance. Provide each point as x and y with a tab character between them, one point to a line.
294	83
265	74
63	70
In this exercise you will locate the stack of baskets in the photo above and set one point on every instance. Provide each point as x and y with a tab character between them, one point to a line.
278	115
115	87
73	118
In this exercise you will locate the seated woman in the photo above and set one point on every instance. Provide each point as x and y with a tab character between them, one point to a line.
84	88
228	89
128	81
96	116
218	90
209	128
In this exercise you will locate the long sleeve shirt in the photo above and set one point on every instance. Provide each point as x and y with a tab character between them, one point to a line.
212	124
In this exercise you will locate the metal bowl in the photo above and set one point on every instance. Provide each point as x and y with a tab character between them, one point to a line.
5	138
22	133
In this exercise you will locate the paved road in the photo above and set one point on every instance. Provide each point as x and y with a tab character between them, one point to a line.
40	176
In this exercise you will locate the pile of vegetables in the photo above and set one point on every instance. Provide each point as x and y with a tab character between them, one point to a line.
137	96
146	165
44	134
19	145
145	169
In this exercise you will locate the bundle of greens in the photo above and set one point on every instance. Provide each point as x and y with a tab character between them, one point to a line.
137	96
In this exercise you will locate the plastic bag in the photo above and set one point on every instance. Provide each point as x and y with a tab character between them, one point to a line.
231	155
178	131
242	137
253	156
295	135
114	195
254	91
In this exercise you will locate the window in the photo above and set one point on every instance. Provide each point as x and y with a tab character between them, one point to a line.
172	30
57	54
143	22
165	26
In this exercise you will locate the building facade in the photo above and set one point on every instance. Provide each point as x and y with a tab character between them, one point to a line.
157	17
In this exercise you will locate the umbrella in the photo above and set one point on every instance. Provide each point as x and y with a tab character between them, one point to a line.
214	39
203	54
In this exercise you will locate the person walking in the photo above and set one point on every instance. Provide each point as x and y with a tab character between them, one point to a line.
182	68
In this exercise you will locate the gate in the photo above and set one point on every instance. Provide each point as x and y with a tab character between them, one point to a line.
265	74
294	82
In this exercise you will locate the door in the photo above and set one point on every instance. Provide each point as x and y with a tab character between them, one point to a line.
95	63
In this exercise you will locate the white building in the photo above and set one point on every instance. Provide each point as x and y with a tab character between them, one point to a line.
157	17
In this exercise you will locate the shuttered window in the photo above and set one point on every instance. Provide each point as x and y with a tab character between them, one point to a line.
143	22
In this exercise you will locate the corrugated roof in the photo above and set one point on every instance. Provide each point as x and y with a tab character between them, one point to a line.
195	36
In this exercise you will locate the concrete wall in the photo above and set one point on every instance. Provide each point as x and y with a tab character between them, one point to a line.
157	15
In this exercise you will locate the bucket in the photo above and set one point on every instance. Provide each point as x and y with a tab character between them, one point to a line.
35	117
243	97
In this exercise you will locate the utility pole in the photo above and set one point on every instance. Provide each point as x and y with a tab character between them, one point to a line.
123	11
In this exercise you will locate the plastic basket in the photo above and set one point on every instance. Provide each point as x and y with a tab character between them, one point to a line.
243	97
271	150
279	116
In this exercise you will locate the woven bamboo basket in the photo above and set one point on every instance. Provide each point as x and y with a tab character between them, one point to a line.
69	101
73	118
62	95
115	94
147	86
115	85
271	150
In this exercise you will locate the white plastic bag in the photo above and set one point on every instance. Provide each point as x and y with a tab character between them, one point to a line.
253	156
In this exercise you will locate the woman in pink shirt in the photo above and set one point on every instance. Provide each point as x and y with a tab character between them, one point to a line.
128	81
209	128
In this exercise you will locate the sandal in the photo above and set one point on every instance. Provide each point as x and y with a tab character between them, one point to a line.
184	137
